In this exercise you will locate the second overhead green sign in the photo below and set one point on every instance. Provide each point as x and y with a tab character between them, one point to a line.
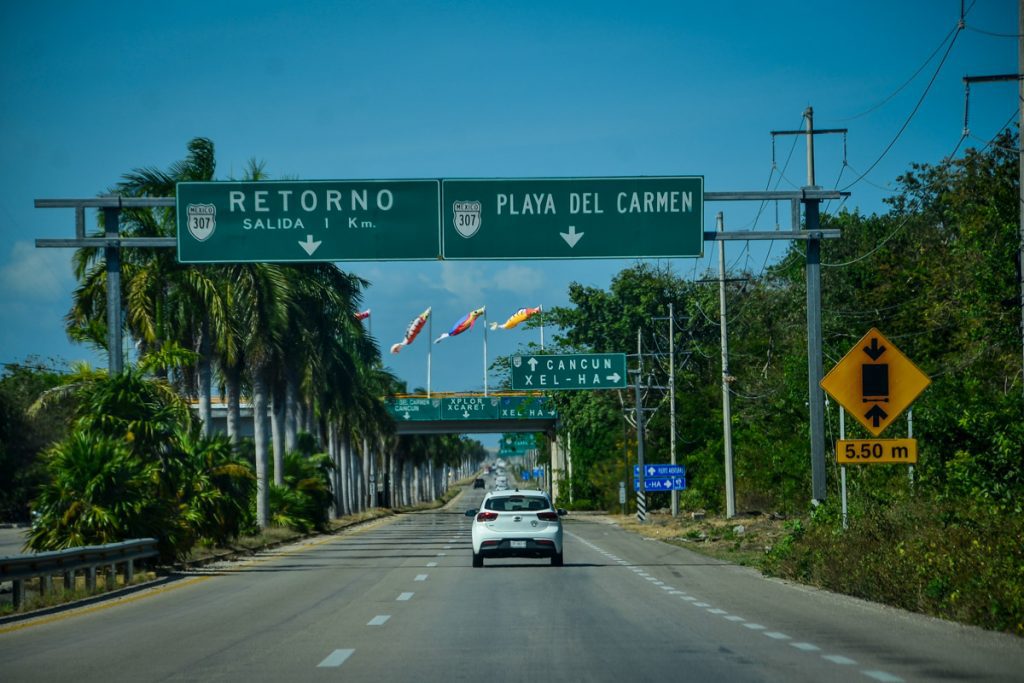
566	218
574	371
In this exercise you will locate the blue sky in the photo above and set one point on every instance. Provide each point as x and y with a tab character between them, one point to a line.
325	90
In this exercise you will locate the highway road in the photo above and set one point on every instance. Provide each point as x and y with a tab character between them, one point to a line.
399	601
12	541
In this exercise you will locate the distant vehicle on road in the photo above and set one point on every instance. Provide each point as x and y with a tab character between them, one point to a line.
517	524
478	483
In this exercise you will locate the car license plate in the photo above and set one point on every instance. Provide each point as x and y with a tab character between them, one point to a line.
518	544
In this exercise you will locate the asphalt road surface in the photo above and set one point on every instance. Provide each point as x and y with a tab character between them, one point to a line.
12	541
399	601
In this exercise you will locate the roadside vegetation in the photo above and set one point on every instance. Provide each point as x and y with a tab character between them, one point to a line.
87	457
938	274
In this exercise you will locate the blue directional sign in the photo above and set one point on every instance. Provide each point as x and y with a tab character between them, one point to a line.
660	470
677	483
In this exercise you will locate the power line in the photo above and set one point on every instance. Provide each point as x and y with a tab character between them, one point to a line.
885	188
899	227
992	141
906	83
873	251
917	106
992	33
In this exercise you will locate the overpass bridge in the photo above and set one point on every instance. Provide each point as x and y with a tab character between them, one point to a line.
470	413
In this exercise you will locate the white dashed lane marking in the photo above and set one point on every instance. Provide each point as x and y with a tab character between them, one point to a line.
883	676
378	620
806	647
404	597
335	659
421	577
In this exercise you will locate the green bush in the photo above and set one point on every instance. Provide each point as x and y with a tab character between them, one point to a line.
957	561
135	466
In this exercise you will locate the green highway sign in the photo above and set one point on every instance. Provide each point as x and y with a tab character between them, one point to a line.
479	407
525	408
567	218
574	371
395	220
518	442
414	408
469	408
297	221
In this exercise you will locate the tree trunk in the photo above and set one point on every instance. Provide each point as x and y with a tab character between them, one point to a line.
310	417
332	453
259	423
291	407
368	476
346	470
403	482
277	430
389	483
205	378
233	387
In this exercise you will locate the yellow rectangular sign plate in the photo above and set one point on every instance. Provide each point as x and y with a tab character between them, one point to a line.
876	451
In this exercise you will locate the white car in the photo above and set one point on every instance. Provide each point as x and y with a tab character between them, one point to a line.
517	524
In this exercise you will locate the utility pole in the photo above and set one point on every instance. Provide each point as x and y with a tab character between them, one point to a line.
812	227
815	372
112	254
672	399
730	490
1019	77
641	493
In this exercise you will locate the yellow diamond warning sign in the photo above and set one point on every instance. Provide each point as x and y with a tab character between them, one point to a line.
875	382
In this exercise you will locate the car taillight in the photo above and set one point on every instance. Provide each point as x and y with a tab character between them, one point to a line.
548	516
487	516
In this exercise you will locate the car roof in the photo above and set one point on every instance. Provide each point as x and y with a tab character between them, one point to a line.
516	492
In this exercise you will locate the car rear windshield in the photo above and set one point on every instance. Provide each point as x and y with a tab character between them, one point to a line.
517	504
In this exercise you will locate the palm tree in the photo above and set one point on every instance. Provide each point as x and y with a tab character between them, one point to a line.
259	306
164	301
135	466
98	492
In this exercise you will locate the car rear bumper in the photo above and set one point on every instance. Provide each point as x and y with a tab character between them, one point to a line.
533	548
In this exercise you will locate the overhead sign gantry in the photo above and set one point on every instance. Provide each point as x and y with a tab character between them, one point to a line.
395	220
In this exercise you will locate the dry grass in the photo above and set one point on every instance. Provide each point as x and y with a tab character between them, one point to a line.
34	599
716	537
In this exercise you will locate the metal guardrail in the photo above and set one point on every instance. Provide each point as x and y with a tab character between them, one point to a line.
20	568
